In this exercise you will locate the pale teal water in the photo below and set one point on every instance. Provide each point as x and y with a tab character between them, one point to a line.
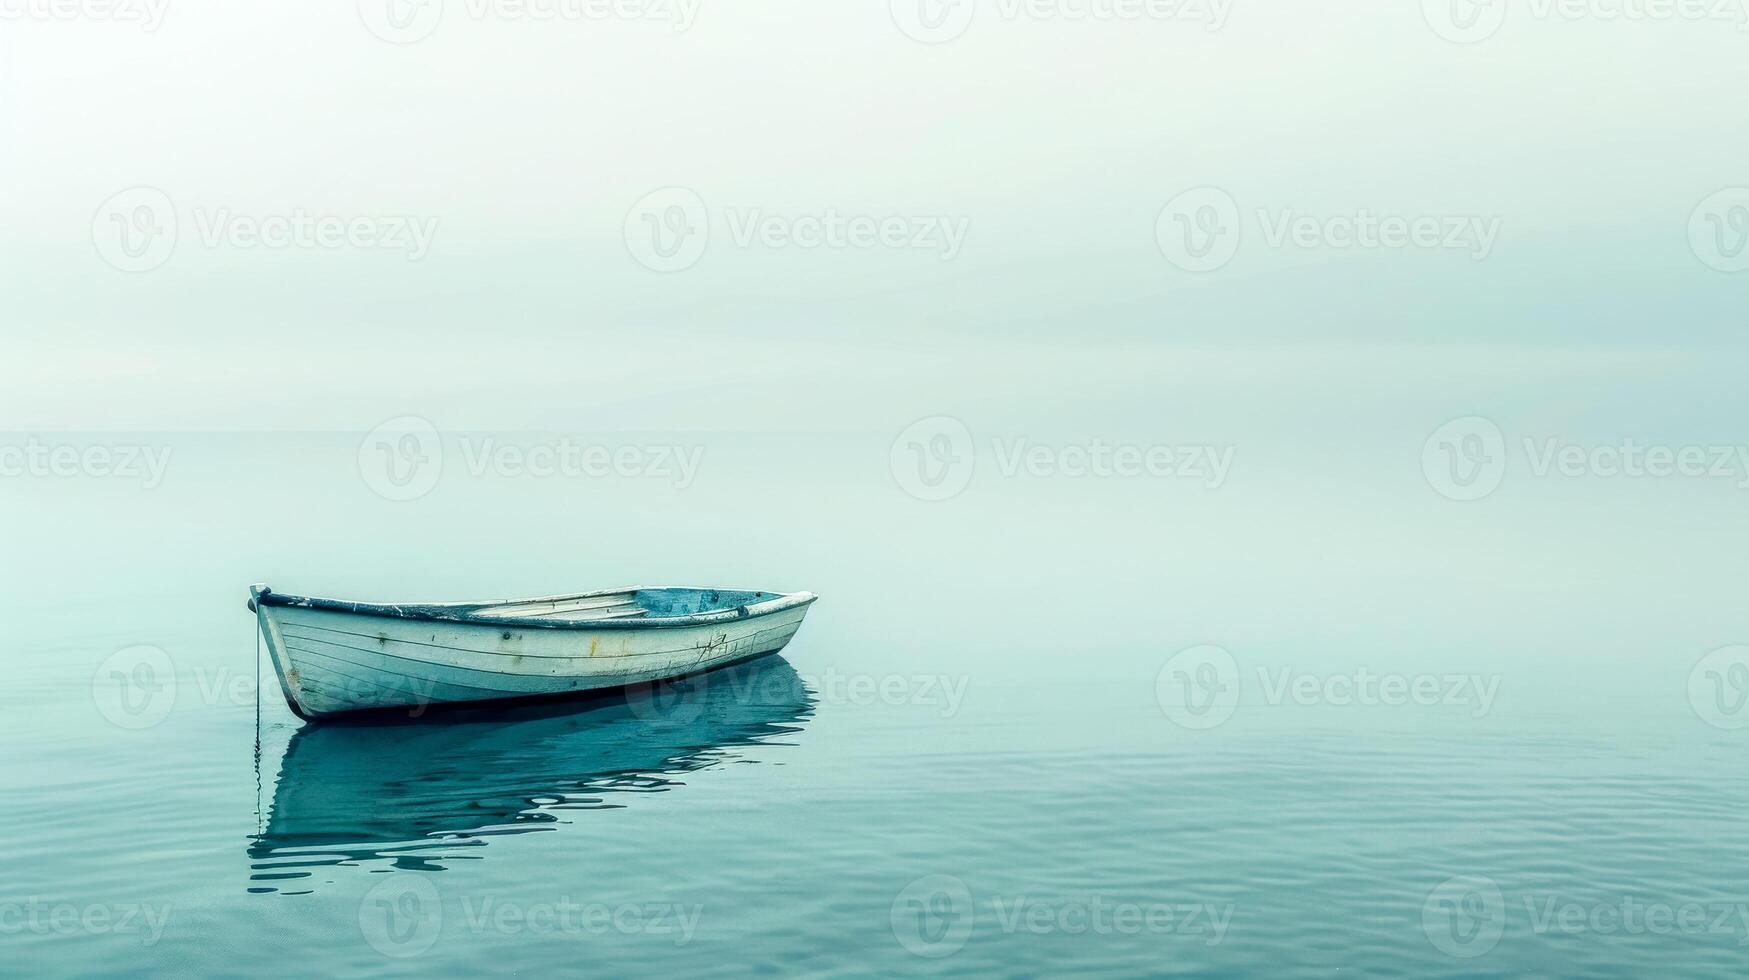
1016	802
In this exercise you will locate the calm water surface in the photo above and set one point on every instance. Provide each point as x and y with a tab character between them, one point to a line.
909	789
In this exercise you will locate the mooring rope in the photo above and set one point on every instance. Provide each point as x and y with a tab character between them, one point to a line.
259	827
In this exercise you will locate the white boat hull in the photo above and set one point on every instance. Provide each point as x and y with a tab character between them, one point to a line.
331	662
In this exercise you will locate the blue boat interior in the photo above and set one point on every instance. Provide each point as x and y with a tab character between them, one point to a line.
664	603
690	602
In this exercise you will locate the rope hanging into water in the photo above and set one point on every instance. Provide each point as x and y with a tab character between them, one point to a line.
260	828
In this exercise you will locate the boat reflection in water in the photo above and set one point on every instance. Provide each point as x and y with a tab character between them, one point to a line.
416	792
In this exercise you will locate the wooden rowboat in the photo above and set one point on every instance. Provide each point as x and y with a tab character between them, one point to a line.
334	656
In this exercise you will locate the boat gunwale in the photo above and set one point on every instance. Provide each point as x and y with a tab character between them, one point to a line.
468	613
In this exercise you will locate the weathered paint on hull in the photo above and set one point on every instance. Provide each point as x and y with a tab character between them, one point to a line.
333	663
